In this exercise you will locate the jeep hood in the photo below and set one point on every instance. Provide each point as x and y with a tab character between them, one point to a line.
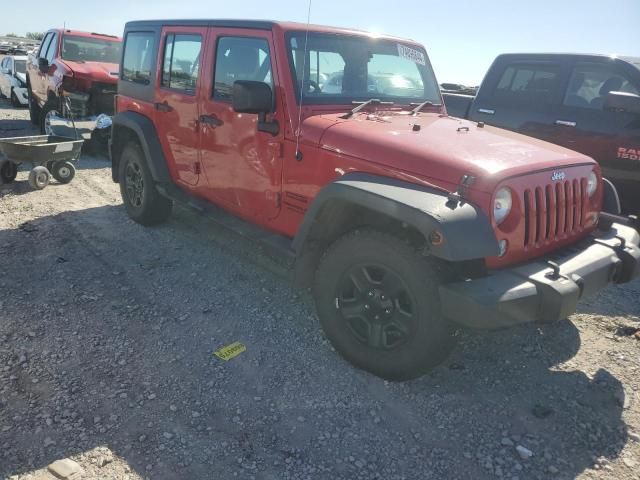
94	71
442	148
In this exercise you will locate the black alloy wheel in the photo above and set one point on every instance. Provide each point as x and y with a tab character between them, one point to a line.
377	306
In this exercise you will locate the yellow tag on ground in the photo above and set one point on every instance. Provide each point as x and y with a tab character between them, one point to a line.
230	351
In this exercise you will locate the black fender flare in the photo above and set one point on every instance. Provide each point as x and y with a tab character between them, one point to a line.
466	230
144	131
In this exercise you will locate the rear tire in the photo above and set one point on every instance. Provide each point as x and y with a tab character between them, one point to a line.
140	197
39	178
63	172
8	171
378	303
34	109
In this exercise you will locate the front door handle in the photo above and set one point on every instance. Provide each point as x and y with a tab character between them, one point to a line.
163	107
566	123
487	111
211	120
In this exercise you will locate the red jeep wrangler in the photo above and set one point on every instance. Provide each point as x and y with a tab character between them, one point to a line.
336	144
83	67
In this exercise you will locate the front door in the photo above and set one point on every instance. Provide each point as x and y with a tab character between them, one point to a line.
243	166
176	101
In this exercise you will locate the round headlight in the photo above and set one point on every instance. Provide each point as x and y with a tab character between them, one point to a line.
592	184
502	204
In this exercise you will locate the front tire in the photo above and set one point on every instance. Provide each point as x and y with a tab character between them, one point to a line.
45	122
140	197
377	300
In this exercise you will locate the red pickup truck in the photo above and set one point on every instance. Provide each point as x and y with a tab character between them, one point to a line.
82	67
334	145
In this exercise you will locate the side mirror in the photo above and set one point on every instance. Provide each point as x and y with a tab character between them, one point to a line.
43	64
252	97
622	102
257	98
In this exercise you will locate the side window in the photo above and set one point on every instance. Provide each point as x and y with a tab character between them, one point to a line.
138	57
240	58
53	46
528	84
44	45
590	84
4	63
181	62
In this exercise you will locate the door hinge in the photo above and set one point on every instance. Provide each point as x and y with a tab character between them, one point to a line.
197	169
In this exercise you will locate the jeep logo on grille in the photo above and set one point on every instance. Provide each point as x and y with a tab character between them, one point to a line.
558	176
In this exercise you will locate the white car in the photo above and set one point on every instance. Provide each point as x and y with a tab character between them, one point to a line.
13	80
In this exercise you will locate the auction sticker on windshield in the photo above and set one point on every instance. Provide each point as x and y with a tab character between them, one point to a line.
230	351
412	54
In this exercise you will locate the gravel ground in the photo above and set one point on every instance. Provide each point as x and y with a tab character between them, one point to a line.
107	334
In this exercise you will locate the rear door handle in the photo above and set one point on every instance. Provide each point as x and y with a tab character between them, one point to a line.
211	120
163	107
487	111
566	123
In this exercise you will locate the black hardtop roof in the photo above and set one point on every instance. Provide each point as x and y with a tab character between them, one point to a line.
203	22
572	56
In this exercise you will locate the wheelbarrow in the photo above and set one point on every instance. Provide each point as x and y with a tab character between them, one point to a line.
49	155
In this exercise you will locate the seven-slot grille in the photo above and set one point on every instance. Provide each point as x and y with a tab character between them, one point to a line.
554	211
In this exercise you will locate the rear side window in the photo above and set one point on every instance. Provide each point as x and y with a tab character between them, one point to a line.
138	57
591	83
240	58
530	84
181	62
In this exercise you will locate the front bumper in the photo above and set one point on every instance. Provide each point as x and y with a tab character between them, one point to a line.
87	127
547	289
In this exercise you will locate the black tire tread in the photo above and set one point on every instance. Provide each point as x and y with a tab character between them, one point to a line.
428	270
155	208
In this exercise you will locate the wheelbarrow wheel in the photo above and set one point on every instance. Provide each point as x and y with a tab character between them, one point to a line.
63	172
39	178
8	171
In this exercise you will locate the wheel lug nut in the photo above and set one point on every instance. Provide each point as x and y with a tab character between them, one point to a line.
377	317
367	307
388	311
371	294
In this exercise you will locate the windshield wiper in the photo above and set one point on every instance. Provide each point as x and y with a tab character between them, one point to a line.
361	105
420	106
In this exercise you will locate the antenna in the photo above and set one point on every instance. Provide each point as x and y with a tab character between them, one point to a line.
304	71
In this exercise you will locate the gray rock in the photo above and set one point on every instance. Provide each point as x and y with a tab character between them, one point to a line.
65	469
524	452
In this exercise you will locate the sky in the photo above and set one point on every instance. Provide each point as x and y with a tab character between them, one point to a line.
462	37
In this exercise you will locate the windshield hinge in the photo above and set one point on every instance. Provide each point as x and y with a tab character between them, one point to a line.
458	196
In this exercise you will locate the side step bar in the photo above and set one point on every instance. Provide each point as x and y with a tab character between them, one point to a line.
278	244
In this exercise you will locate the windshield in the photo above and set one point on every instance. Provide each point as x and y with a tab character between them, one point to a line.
20	66
84	49
342	69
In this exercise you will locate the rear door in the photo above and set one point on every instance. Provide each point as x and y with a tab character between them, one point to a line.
176	100
243	166
522	96
586	126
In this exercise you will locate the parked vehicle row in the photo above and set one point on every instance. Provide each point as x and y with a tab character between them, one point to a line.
588	103
402	220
